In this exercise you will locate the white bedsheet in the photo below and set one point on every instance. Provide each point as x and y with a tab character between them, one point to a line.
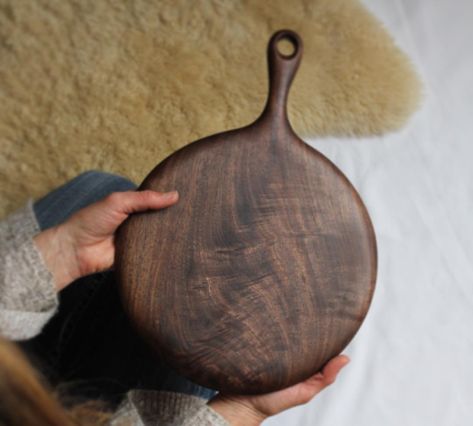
412	360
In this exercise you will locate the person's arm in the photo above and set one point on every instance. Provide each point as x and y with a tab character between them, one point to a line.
27	295
170	408
35	265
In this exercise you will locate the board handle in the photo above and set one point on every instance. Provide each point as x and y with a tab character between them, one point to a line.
282	69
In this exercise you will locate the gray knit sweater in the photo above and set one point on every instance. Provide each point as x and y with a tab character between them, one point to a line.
28	300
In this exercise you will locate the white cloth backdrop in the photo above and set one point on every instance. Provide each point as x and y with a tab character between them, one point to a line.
412	360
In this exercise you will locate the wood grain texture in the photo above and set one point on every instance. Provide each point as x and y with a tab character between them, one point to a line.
264	269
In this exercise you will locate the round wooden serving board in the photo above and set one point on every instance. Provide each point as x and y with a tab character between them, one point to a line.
266	266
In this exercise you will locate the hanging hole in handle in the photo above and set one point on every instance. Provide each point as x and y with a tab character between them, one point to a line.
286	46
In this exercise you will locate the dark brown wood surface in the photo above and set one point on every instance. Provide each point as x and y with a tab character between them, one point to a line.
265	268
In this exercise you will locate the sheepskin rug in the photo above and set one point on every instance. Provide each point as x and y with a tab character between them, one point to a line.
120	85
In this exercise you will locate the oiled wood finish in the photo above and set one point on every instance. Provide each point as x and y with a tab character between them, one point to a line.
266	266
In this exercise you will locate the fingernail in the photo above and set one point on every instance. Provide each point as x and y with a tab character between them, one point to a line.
171	195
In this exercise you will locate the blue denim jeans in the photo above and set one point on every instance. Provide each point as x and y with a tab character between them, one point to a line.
89	347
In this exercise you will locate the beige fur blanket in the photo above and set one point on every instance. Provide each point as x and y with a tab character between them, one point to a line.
119	85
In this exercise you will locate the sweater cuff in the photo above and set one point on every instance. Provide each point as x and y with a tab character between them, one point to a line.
170	408
206	416
26	285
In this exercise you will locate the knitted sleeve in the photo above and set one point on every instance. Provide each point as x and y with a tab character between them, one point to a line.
148	407
28	298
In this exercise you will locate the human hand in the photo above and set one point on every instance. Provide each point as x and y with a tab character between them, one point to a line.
252	410
84	244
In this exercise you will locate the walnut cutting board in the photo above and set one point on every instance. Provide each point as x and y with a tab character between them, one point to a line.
265	268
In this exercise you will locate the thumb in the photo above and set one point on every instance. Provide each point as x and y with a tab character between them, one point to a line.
128	202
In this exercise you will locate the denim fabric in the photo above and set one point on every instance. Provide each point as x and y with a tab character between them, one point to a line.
89	347
85	189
